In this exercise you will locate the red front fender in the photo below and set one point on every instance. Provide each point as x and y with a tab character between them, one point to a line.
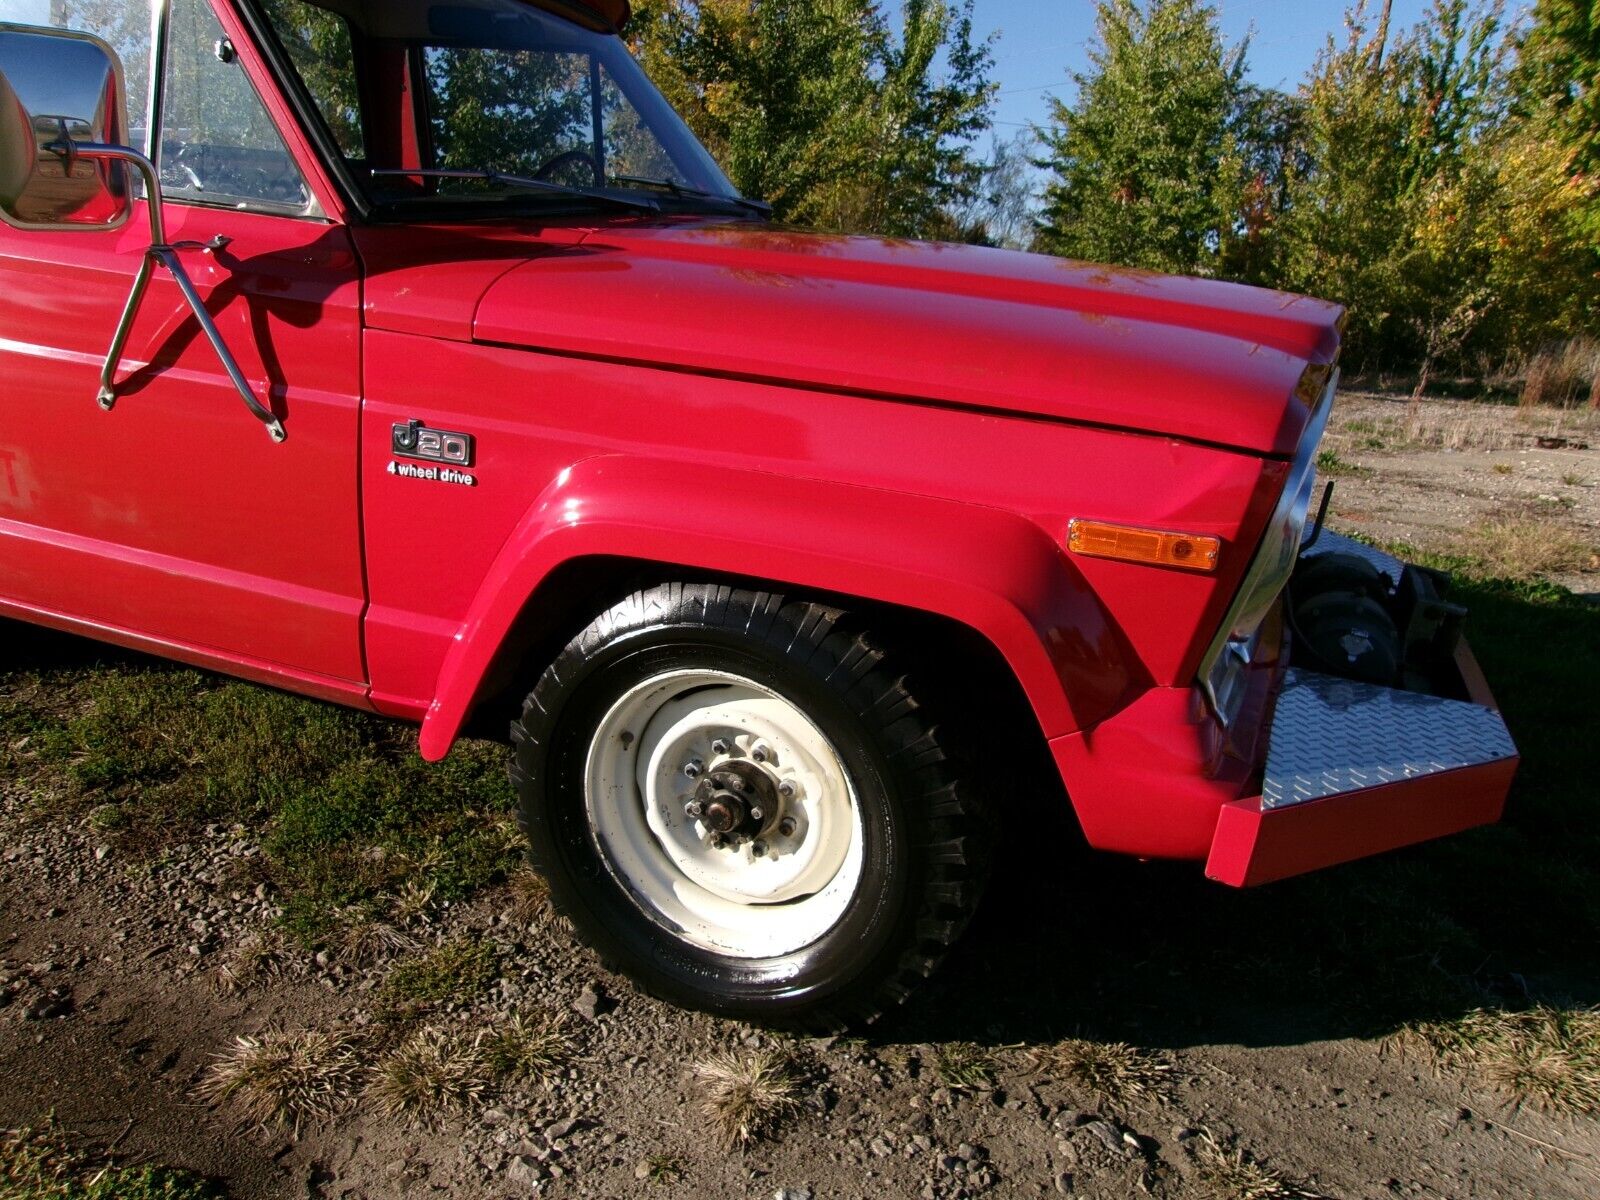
995	572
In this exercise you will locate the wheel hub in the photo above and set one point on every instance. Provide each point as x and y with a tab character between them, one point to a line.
737	801
721	807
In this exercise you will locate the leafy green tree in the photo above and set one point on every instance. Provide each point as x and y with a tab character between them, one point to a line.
1542	240
820	108
1560	71
1341	236
1137	160
1385	209
1262	152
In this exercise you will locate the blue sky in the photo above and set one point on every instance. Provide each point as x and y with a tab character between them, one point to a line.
1040	40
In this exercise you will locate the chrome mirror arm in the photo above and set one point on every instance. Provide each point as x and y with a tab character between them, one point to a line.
165	253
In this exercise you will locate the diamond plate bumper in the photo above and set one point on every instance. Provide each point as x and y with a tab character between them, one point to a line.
1354	770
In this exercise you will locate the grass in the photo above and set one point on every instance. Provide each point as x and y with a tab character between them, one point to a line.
747	1095
1541	1056
288	1079
1230	1173
1329	464
663	1168
353	824
530	905
1116	1073
457	970
1524	547
42	1163
434	1073
964	1067
533	1049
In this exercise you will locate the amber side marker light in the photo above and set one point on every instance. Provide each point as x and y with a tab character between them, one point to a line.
1101	539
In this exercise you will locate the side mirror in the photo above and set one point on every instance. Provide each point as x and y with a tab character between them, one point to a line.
63	167
61	91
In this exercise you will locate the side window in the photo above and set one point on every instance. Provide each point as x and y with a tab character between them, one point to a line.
319	45
218	145
125	24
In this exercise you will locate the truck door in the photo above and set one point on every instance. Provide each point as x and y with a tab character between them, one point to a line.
174	517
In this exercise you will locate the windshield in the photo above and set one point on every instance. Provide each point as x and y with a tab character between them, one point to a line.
488	100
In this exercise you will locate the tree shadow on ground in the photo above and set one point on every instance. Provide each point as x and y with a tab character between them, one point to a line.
1070	943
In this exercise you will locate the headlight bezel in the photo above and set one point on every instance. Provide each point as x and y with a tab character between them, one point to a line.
1223	668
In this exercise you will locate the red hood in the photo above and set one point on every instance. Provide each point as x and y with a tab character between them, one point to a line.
989	329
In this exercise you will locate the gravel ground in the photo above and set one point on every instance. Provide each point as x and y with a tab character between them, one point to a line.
122	978
112	1009
1430	475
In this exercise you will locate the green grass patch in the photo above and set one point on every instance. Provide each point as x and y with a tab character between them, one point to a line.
1331	465
965	1067
349	817
457	970
41	1163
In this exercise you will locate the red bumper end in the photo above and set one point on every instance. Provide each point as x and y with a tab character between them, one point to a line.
1430	767
1253	845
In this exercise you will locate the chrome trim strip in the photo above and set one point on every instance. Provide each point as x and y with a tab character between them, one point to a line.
1269	571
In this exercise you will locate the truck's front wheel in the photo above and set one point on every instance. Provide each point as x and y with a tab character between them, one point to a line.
742	805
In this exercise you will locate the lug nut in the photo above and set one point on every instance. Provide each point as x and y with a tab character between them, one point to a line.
786	789
694	810
787	827
693	767
761	752
756	814
720	746
758	848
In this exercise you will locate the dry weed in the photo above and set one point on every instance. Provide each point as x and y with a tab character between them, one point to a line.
1526	546
1230	1173
413	903
434	1073
964	1067
1118	1074
1563	374
288	1079
530	1048
530	898
253	960
748	1094
366	943
1543	1056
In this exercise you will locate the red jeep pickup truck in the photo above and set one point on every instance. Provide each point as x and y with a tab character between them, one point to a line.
448	377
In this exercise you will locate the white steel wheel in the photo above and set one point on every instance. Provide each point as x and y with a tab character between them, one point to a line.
748	805
725	812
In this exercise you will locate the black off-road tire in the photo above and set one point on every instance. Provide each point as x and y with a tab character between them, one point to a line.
925	839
